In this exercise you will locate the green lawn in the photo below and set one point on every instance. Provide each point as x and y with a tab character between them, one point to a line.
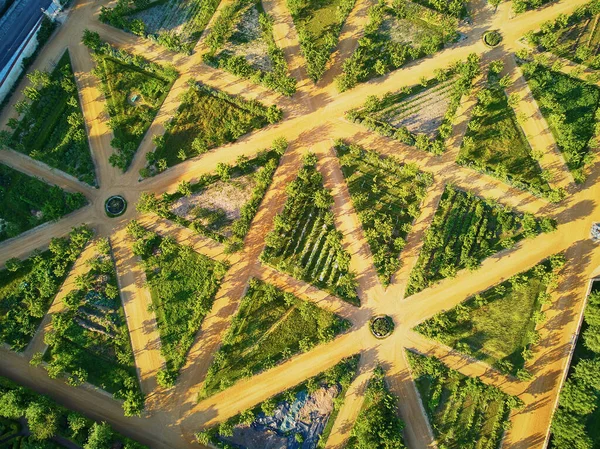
496	143
27	202
305	243
570	106
464	412
465	230
319	23
497	325
387	196
28	288
135	90
90	340
207	119
270	326
377	425
52	127
183	285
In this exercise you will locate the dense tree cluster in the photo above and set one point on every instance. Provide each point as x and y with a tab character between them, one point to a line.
46	419
520	6
26	202
270	327
465	230
227	31
134	88
499	326
208	118
377	54
304	242
575	421
28	287
340	375
261	168
377	425
50	126
464	412
387	196
465	73
183	285
90	339
570	106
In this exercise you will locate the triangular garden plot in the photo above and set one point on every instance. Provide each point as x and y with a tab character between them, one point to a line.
290	416
377	424
51	127
305	243
27	202
465	230
387	196
270	327
183	285
422	114
319	24
497	326
495	143
397	32
220	205
464	412
135	89
90	340
242	43
207	118
570	106
28	287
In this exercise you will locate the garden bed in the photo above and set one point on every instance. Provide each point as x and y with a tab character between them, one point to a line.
387	196
305	243
271	326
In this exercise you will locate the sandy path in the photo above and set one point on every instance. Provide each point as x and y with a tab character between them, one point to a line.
311	120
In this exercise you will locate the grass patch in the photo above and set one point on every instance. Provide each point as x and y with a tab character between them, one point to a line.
175	24
465	230
90	340
135	89
495	143
27	202
464	412
206	119
337	378
499	325
305	243
319	24
220	205
183	285
396	34
377	425
27	288
421	115
570	106
242	42
387	196
51	126
271	326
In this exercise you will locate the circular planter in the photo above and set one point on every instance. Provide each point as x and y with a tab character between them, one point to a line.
381	326
492	38
115	206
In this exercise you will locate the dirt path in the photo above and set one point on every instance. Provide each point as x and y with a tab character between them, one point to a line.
312	118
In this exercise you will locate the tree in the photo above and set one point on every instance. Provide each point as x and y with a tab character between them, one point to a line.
42	418
100	436
92	40
223	171
185	188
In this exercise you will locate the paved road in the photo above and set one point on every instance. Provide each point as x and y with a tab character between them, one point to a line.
312	118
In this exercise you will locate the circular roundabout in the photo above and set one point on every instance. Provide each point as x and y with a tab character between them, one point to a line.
115	206
381	326
492	38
